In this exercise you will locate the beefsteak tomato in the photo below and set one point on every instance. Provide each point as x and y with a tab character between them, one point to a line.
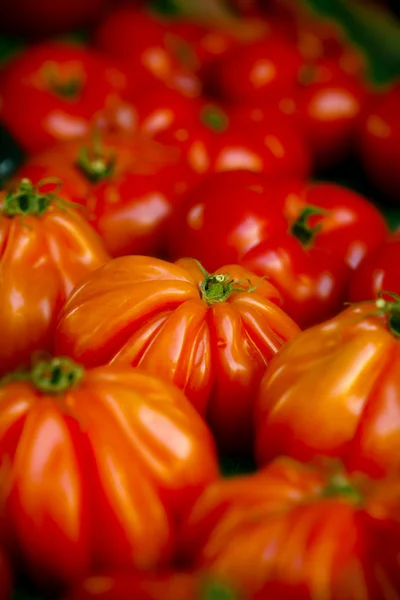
211	334
67	86
46	248
335	390
299	532
103	463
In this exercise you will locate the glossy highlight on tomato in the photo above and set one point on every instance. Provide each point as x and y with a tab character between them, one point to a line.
210	334
103	464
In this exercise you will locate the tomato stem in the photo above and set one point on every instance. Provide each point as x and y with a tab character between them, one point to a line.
302	229
51	376
214	118
95	163
218	288
339	485
27	200
217	591
390	307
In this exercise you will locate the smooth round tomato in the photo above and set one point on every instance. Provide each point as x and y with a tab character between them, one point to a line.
335	391
216	142
46	248
298	532
41	17
313	281
127	186
67	86
223	217
149	50
104	463
263	71
210	334
378	271
165	585
378	142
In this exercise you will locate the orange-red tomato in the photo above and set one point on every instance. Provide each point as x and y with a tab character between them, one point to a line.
103	463
299	532
212	335
335	391
164	585
46	248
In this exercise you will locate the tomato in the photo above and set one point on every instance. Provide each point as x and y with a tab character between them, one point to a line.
313	281
66	85
298	532
378	271
215	225
148	49
44	17
104	462
378	140
347	370
214	142
46	248
128	186
212	335
166	585
263	71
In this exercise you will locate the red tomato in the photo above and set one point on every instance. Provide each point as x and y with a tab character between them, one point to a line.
46	248
223	217
313	281
299	532
379	140
147	47
263	71
103	462
128	186
378	271
214	142
66	86
158	586
212	335
44	17
347	369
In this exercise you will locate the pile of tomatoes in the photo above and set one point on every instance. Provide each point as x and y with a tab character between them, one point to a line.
181	285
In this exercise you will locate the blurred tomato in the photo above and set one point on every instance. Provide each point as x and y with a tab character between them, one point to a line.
98	476
378	271
210	334
379	140
128	187
298	532
46	249
65	85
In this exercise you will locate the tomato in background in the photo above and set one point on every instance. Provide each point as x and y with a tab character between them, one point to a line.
378	271
46	248
335	391
298	532
215	142
210	334
45	17
67	86
379	140
128	187
98	481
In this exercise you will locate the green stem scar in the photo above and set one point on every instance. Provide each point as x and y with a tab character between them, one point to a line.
218	288
52	376
302	229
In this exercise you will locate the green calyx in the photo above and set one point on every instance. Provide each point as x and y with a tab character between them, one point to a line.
218	288
53	376
340	486
27	199
387	303
214	118
213	590
69	90
95	163
302	229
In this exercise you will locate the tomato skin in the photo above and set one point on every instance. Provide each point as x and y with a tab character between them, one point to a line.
377	272
247	215
313	282
347	369
74	446
131	205
48	18
240	527
165	326
67	86
42	258
378	141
